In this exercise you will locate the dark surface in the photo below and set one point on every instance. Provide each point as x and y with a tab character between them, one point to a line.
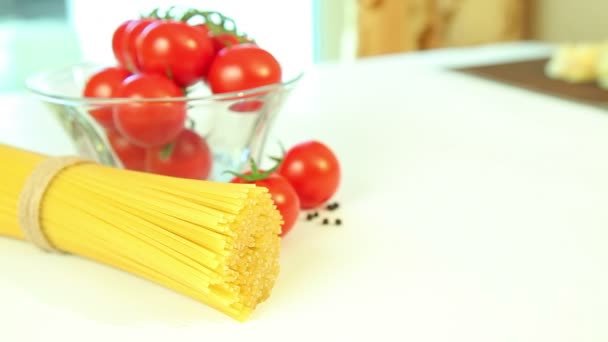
530	75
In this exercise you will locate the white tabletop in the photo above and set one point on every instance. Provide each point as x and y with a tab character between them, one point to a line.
473	211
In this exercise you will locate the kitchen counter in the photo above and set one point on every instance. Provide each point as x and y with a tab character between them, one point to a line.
473	211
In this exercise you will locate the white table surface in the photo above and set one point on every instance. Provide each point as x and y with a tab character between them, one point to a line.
473	211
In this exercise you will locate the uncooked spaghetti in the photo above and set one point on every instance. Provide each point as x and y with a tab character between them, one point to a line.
215	242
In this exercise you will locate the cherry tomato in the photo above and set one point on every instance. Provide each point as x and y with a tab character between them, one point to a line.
132	157
133	33
105	84
203	28
150	124
313	170
283	195
246	106
223	40
241	67
175	49
188	157
118	43
219	40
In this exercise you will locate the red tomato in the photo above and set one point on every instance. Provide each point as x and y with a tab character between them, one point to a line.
242	67
313	170
150	124
223	40
175	49
105	84
118	43
204	29
132	157
246	106
132	35
283	195
189	157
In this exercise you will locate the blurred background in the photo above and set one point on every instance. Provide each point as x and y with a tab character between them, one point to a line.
38	34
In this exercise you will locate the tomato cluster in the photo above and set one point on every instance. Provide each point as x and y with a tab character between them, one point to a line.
188	54
306	177
158	60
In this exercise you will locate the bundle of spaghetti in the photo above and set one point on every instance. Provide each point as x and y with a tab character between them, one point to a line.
215	242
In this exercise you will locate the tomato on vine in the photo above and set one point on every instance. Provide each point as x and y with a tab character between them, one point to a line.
118	43
222	40
175	49
281	191
242	67
147	122
189	156
314	171
132	34
105	84
132	156
246	106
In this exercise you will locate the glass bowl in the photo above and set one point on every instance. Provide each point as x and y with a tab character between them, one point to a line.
234	125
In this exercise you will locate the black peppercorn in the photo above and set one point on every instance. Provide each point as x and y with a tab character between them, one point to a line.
332	206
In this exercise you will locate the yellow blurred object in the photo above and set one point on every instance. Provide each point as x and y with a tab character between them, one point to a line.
215	242
575	63
390	26
602	67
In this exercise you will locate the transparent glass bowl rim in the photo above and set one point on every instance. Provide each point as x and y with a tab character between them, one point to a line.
32	85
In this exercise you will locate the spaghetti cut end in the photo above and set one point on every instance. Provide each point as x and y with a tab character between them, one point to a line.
252	262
